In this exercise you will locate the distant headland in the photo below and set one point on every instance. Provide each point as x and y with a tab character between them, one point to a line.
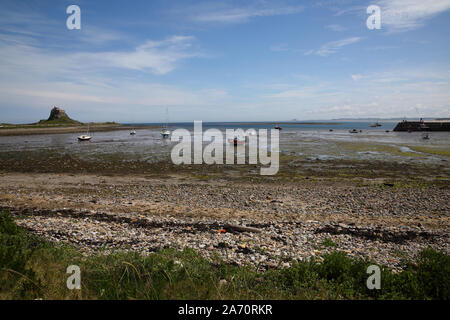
59	116
57	122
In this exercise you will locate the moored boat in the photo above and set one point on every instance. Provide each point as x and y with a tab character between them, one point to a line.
165	132
85	137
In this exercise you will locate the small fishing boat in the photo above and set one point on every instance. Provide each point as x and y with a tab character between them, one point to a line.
133	132
425	136
278	127
85	137
165	132
353	131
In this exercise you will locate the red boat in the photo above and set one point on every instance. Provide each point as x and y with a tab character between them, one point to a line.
278	128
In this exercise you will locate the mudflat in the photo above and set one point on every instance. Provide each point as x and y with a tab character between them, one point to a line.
377	210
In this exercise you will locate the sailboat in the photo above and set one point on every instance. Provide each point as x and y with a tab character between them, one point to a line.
165	132
85	137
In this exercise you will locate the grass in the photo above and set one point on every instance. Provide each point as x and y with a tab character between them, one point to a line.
328	243
59	123
439	152
32	268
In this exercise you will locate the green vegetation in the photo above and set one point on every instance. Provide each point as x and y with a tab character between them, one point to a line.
439	152
31	268
327	243
64	120
59	123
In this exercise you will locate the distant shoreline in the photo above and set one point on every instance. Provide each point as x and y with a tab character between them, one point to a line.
289	123
21	131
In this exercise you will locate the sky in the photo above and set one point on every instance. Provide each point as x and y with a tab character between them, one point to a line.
210	60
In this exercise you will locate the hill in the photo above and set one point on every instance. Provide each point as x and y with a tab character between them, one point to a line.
59	117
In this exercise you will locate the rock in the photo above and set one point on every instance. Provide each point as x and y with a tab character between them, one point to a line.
56	114
222	282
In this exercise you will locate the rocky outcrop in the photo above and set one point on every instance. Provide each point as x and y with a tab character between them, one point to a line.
58	117
57	114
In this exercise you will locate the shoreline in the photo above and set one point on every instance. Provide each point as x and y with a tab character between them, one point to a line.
281	220
289	123
63	129
379	210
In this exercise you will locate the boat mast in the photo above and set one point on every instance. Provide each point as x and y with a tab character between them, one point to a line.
167	117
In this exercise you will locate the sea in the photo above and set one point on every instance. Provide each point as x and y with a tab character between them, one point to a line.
329	140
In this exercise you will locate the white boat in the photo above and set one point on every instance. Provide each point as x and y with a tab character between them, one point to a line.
165	132
133	132
376	124
85	137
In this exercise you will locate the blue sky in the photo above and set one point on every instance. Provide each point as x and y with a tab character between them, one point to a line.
224	60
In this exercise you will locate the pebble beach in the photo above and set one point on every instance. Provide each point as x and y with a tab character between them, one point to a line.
267	225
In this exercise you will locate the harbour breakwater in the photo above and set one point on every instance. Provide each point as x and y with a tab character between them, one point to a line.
431	125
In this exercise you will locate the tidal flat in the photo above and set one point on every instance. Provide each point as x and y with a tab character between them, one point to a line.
114	196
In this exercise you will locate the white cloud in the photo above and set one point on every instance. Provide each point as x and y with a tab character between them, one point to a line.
333	46
37	78
394	93
404	15
335	27
356	77
225	13
159	57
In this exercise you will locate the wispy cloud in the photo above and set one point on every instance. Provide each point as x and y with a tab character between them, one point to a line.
157	57
335	27
397	15
279	47
405	15
393	93
38	78
227	13
333	46
356	77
